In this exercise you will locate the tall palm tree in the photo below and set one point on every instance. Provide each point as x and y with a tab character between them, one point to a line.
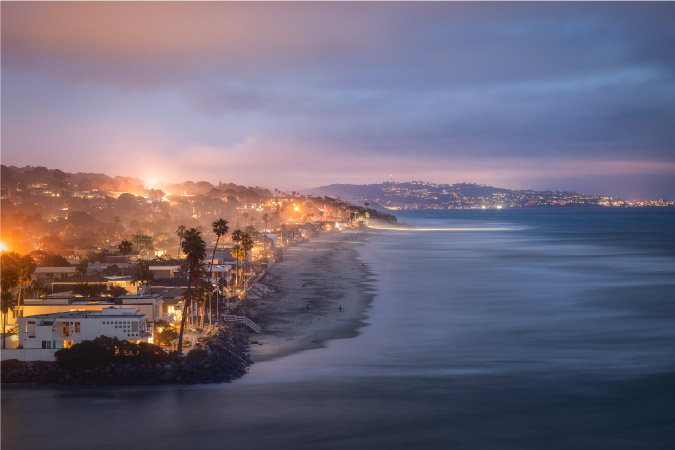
246	245
180	232
125	248
194	248
238	253
236	237
220	228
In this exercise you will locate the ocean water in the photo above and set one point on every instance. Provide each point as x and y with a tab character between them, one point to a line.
510	329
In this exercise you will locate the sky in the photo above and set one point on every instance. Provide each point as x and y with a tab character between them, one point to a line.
562	96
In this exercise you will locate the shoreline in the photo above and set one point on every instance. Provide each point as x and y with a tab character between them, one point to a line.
306	289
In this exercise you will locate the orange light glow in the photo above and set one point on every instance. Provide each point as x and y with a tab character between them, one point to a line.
3	247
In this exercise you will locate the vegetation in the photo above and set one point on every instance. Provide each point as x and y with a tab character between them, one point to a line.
124	248
90	289
194	248
165	336
16	271
220	228
104	350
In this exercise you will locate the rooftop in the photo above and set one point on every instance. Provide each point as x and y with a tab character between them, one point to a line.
107	312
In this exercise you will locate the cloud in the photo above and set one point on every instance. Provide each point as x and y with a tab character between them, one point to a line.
318	90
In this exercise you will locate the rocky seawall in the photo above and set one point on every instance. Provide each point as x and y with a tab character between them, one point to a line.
222	357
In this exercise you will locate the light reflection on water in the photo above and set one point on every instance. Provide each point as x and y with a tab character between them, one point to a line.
556	332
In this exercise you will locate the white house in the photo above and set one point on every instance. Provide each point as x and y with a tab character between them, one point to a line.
42	335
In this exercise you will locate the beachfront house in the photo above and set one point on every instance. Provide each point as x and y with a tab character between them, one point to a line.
42	335
149	304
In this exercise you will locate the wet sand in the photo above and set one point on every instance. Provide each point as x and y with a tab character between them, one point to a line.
320	291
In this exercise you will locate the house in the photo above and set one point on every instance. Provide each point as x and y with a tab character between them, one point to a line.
67	285
98	267
170	308
42	335
50	274
149	304
165	271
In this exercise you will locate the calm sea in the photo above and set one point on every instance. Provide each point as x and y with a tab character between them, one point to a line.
510	329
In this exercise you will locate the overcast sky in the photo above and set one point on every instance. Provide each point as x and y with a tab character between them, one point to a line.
548	96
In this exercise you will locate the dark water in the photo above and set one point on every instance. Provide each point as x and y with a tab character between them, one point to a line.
541	329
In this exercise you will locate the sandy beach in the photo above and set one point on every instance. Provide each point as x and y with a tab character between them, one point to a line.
320	291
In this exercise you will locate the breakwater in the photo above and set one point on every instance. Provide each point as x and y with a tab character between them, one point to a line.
222	356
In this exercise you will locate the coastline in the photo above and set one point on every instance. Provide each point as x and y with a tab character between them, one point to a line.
306	289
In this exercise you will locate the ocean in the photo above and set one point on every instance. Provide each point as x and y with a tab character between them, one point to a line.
496	329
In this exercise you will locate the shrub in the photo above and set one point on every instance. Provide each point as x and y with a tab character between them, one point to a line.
87	353
105	350
197	354
166	336
12	364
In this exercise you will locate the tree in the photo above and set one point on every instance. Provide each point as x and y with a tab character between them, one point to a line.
36	289
165	336
141	271
47	259
117	291
194	248
220	228
89	289
143	242
246	245
236	237
180	232
238	253
10	280
265	219
124	248
25	267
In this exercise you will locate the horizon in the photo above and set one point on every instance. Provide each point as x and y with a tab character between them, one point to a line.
562	97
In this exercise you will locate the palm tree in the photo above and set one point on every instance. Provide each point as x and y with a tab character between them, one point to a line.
237	252
265	219
236	237
246	245
8	304
26	267
220	228
194	248
180	232
9	279
124	248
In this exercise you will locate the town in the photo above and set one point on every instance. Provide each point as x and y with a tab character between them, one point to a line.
393	195
91	256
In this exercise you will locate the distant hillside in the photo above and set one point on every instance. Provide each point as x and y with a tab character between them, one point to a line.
28	176
424	195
